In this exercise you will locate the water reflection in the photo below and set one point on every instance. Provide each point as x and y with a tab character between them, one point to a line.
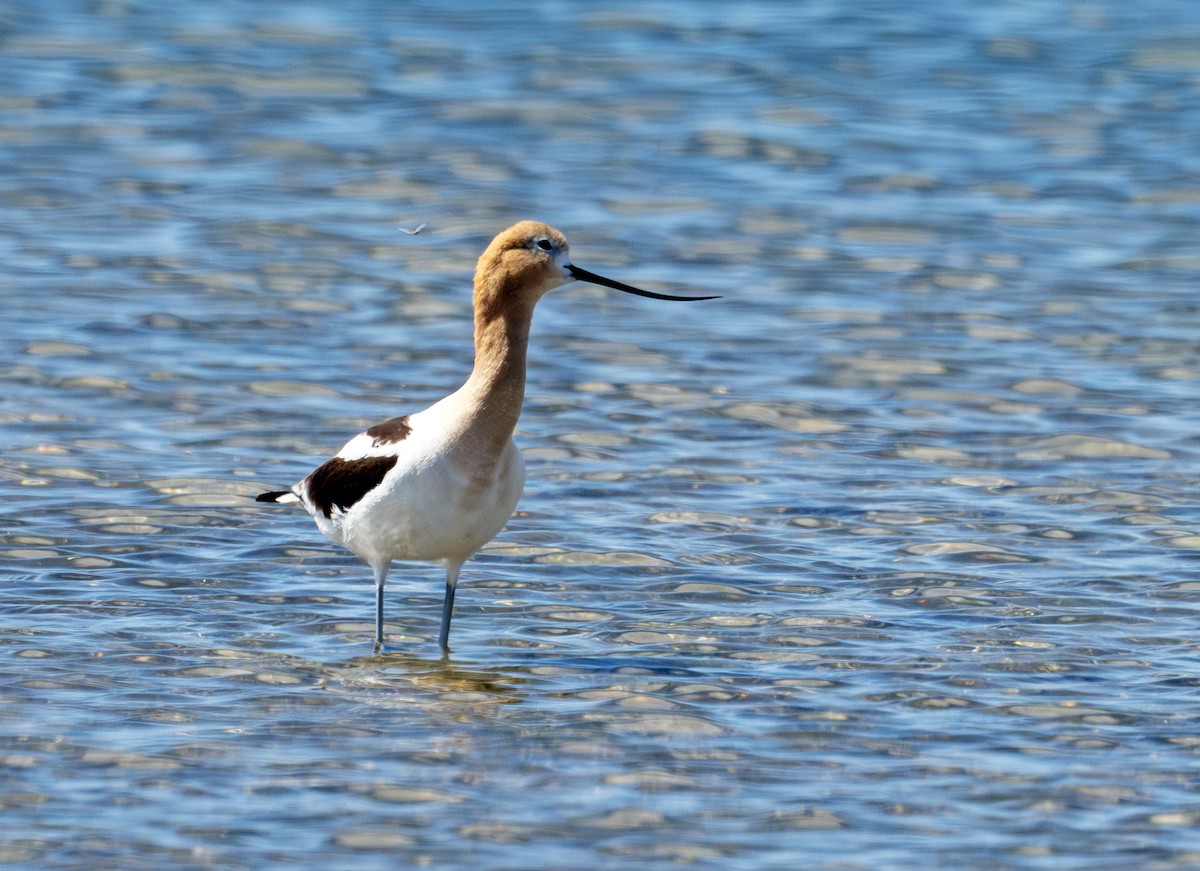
398	677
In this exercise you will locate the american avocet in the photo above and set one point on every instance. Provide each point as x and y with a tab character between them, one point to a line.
437	485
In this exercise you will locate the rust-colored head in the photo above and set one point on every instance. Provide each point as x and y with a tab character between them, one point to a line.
522	264
528	260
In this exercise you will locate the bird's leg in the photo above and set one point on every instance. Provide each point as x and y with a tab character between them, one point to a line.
452	567
381	572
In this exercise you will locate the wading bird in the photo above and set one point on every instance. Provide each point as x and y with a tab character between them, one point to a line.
437	485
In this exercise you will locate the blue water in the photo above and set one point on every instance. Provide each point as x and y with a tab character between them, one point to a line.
887	559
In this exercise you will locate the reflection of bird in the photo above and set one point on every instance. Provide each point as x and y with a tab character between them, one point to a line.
439	484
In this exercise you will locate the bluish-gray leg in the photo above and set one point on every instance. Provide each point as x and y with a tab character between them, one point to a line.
381	572
452	568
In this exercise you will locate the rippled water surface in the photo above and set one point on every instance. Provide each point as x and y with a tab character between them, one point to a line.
887	559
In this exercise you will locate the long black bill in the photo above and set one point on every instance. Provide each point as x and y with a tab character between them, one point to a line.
591	277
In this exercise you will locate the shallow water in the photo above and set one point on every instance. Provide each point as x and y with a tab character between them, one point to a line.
887	558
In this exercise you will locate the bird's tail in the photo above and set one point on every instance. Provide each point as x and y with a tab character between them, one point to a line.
282	497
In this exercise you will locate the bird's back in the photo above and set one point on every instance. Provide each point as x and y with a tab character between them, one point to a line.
419	488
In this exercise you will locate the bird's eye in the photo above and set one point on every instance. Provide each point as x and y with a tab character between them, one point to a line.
545	244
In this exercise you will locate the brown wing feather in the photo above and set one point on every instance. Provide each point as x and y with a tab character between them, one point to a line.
390	431
343	483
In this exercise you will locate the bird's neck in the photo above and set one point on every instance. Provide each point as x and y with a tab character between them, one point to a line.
497	384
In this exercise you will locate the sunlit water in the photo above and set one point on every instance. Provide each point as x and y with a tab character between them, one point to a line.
888	559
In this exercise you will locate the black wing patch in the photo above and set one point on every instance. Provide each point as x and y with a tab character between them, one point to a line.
344	482
390	431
